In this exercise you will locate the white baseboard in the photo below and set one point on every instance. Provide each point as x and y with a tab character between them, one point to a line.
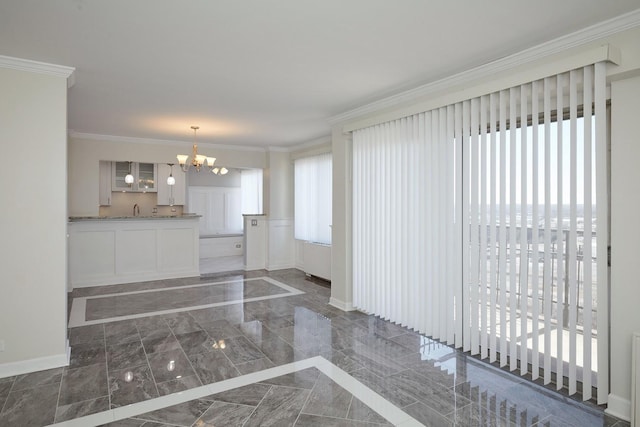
280	267
344	306
619	407
33	365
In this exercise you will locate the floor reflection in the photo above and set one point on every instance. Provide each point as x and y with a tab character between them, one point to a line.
128	361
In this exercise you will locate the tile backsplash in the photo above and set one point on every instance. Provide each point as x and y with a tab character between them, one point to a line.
122	205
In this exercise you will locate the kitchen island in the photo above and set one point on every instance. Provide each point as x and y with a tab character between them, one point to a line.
111	250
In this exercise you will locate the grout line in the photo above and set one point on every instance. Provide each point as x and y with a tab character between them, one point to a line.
203	412
307	399
15	378
146	356
349	407
184	352
106	361
259	403
55	414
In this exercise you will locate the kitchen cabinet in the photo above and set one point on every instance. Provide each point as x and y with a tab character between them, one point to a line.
105	183
144	177
171	194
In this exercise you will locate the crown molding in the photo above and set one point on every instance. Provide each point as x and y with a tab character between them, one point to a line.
575	39
318	142
325	140
38	67
278	149
150	141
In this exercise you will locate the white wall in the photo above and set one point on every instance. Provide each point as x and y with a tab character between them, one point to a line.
280	184
85	154
625	232
341	284
278	177
33	221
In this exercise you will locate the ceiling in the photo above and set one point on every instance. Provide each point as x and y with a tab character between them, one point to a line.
267	72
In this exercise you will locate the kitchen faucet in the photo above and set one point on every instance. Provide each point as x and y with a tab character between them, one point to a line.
136	210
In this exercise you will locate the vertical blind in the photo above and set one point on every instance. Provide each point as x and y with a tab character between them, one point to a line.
251	191
484	224
404	247
312	198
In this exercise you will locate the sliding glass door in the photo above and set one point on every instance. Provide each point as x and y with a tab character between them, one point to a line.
491	216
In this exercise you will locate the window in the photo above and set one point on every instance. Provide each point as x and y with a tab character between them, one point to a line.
251	189
313	199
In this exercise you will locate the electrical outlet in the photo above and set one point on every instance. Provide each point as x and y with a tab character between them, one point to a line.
238	245
1	345
254	222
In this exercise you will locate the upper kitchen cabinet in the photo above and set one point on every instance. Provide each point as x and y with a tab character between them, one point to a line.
144	177
171	194
105	183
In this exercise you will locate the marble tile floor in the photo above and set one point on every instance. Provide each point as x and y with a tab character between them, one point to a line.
308	392
95	309
121	363
221	264
278	402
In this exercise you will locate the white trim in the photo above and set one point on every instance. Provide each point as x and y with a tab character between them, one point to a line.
280	266
468	85
618	407
325	140
635	353
527	56
384	408
130	139
38	364
132	278
310	151
79	305
344	306
37	67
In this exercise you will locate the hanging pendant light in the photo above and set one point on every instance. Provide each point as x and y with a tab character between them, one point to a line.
171	180
197	160
129	177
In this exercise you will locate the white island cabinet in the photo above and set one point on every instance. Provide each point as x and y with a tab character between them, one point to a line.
112	250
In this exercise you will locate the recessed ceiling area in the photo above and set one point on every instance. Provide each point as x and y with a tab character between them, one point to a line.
267	73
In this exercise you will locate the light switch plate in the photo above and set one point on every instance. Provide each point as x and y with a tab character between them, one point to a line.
1	345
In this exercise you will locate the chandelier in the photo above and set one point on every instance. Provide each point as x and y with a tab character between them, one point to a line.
220	171
197	160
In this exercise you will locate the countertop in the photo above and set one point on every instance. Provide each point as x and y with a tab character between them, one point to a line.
132	218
